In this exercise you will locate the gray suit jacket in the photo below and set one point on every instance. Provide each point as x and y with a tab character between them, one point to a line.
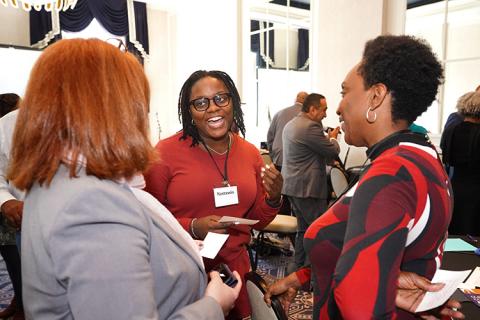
306	150
274	135
90	250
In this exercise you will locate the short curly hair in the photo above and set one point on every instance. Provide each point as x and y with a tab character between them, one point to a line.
468	105
409	69
184	115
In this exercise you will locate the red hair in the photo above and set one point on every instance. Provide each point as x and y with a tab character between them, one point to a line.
84	97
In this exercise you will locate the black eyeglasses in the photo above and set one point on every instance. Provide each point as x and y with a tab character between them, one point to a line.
117	43
220	100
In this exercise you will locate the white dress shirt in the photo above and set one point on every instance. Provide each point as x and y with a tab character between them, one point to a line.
7	126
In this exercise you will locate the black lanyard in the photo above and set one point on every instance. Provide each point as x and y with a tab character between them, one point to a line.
225	174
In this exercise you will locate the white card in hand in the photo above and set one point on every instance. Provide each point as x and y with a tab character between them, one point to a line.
212	243
237	220
451	279
473	281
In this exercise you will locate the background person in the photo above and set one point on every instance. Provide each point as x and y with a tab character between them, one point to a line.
275	142
275	131
453	119
396	217
306	152
462	152
94	247
415	128
11	207
207	156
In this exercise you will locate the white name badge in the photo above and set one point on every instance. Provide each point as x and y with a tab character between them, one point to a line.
225	196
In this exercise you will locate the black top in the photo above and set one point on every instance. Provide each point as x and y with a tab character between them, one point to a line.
462	152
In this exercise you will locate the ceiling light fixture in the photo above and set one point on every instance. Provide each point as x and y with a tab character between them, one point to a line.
38	5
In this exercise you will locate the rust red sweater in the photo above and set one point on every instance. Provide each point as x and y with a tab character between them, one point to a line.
183	181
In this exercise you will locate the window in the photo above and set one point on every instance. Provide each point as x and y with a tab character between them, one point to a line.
277	67
452	28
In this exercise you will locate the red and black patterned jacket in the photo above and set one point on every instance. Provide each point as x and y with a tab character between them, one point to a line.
395	218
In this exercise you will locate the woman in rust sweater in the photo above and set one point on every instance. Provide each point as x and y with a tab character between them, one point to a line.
207	171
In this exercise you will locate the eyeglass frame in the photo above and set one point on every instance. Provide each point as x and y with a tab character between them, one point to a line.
117	42
227	94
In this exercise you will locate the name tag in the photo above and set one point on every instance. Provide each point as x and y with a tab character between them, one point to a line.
225	196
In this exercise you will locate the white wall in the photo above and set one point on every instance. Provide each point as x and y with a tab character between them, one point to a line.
339	31
394	14
14	26
461	57
161	71
15	66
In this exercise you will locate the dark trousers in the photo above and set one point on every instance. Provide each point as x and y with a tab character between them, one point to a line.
286	208
306	210
12	261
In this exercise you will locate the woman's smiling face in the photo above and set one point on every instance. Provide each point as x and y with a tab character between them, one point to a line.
214	122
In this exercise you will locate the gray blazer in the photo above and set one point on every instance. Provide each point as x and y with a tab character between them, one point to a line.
274	134
90	250
306	150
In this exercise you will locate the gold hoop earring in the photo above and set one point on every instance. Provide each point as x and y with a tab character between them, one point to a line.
367	115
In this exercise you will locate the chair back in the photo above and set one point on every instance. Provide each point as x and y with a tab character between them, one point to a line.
339	180
256	288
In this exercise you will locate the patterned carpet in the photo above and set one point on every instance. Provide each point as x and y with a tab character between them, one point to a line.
6	289
274	264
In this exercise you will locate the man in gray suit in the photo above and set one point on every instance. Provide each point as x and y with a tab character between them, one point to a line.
306	151
280	119
274	139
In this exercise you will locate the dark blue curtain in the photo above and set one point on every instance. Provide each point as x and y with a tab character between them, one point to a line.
111	14
255	44
302	54
79	18
40	25
141	26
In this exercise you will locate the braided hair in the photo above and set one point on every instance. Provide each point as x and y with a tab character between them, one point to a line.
184	115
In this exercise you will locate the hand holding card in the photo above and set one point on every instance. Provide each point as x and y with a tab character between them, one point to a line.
237	220
212	243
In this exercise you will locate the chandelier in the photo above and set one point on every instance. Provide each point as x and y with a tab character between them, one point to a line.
48	5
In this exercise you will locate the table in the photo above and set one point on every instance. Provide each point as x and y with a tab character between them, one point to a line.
458	261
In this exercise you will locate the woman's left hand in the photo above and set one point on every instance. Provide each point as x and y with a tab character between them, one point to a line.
285	289
411	288
272	182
